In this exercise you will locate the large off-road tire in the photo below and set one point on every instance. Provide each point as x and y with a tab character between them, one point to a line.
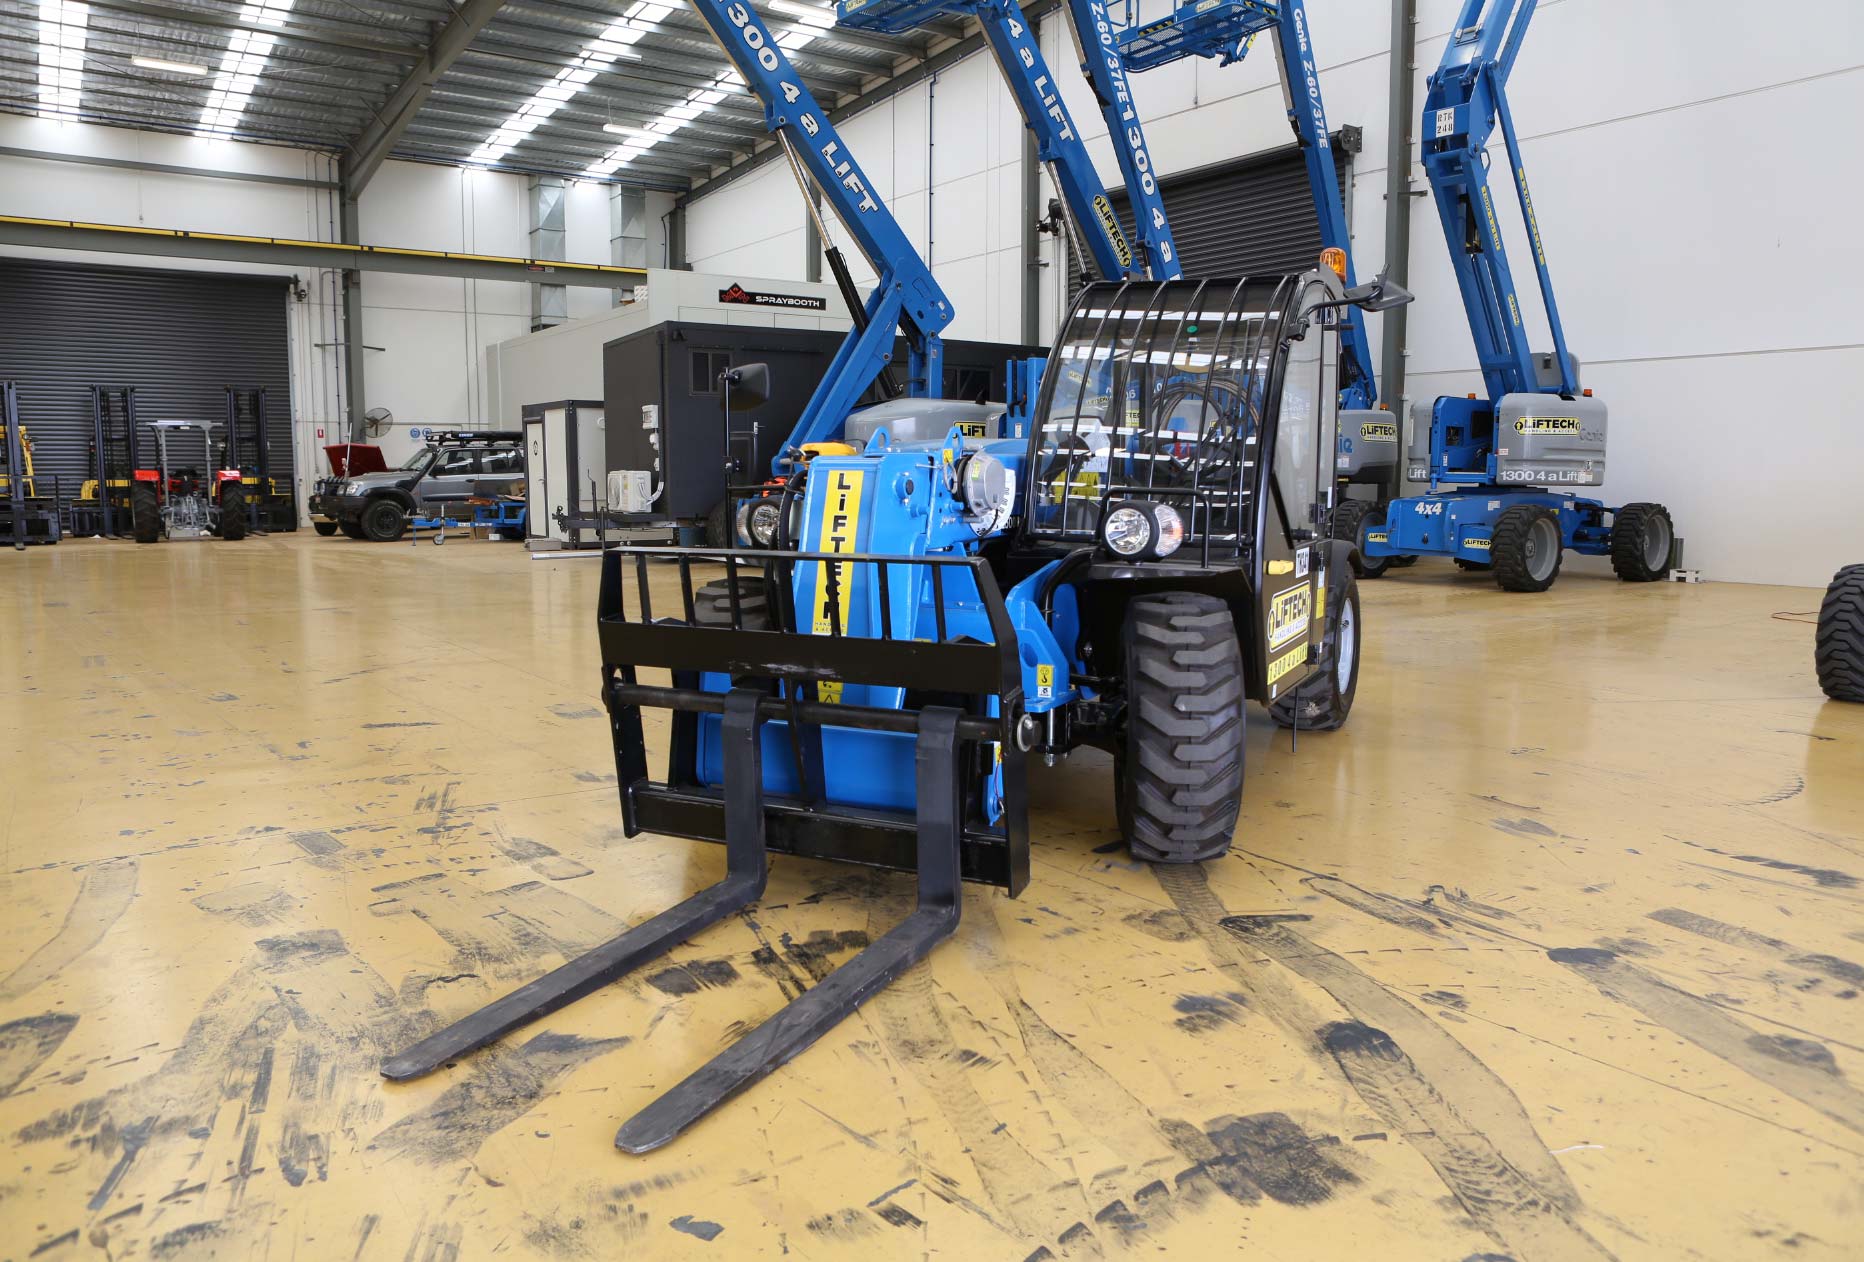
1839	651
1325	699
1179	771
719	531
712	604
1352	519
1478	567
232	511
383	521
324	528
351	529
1643	537
1526	548
145	511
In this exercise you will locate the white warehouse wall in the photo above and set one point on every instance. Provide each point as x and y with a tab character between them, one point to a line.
1695	210
433	330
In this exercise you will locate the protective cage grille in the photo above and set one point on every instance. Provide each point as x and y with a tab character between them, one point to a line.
1157	391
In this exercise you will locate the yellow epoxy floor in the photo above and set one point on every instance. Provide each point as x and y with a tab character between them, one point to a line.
1552	953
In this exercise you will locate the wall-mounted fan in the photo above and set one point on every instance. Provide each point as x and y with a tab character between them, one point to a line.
378	420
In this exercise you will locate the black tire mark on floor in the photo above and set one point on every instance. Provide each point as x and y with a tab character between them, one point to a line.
499	1086
1801	1068
1534	1222
1832	966
104	894
1486	1104
536	856
1038	1203
25	1044
344	1017
1501	1199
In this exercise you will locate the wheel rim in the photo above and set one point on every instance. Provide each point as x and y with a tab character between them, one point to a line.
1542	550
1656	542
1347	647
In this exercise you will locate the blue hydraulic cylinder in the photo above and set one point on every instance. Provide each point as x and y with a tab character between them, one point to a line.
905	295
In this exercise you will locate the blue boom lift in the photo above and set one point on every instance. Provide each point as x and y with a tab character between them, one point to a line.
942	602
1489	461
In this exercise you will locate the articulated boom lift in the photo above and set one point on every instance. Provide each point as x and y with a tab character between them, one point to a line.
1488	461
938	603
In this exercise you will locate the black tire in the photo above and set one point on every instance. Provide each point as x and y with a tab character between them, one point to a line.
383	521
232	511
513	533
719	532
1643	540
1179	771
1352	519
1479	567
712	604
1325	699
324	528
351	529
1524	537
1404	562
145	509
1839	648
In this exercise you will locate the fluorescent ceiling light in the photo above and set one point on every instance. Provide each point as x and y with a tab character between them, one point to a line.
620	130
61	56
805	12
241	65
171	67
614	43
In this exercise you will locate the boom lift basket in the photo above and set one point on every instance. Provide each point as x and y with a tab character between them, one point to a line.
753	707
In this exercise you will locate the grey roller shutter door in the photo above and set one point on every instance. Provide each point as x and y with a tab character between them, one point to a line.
179	337
1249	217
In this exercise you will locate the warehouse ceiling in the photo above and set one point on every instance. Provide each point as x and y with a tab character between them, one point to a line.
629	90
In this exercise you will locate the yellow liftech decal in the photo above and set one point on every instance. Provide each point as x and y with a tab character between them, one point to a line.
1547	425
1110	228
974	429
841	519
1288	613
1286	662
1379	431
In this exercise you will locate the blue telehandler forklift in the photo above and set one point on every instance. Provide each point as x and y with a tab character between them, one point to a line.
1492	463
945	602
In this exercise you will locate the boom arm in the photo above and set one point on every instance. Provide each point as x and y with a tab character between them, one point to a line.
1058	144
1464	101
905	295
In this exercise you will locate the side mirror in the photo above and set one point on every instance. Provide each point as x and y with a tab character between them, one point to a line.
1381	293
747	386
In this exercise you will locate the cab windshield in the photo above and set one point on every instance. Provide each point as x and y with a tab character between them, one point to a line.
1156	391
418	461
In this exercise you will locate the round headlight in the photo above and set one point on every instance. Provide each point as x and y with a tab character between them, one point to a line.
1127	531
764	518
1170	529
988	494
